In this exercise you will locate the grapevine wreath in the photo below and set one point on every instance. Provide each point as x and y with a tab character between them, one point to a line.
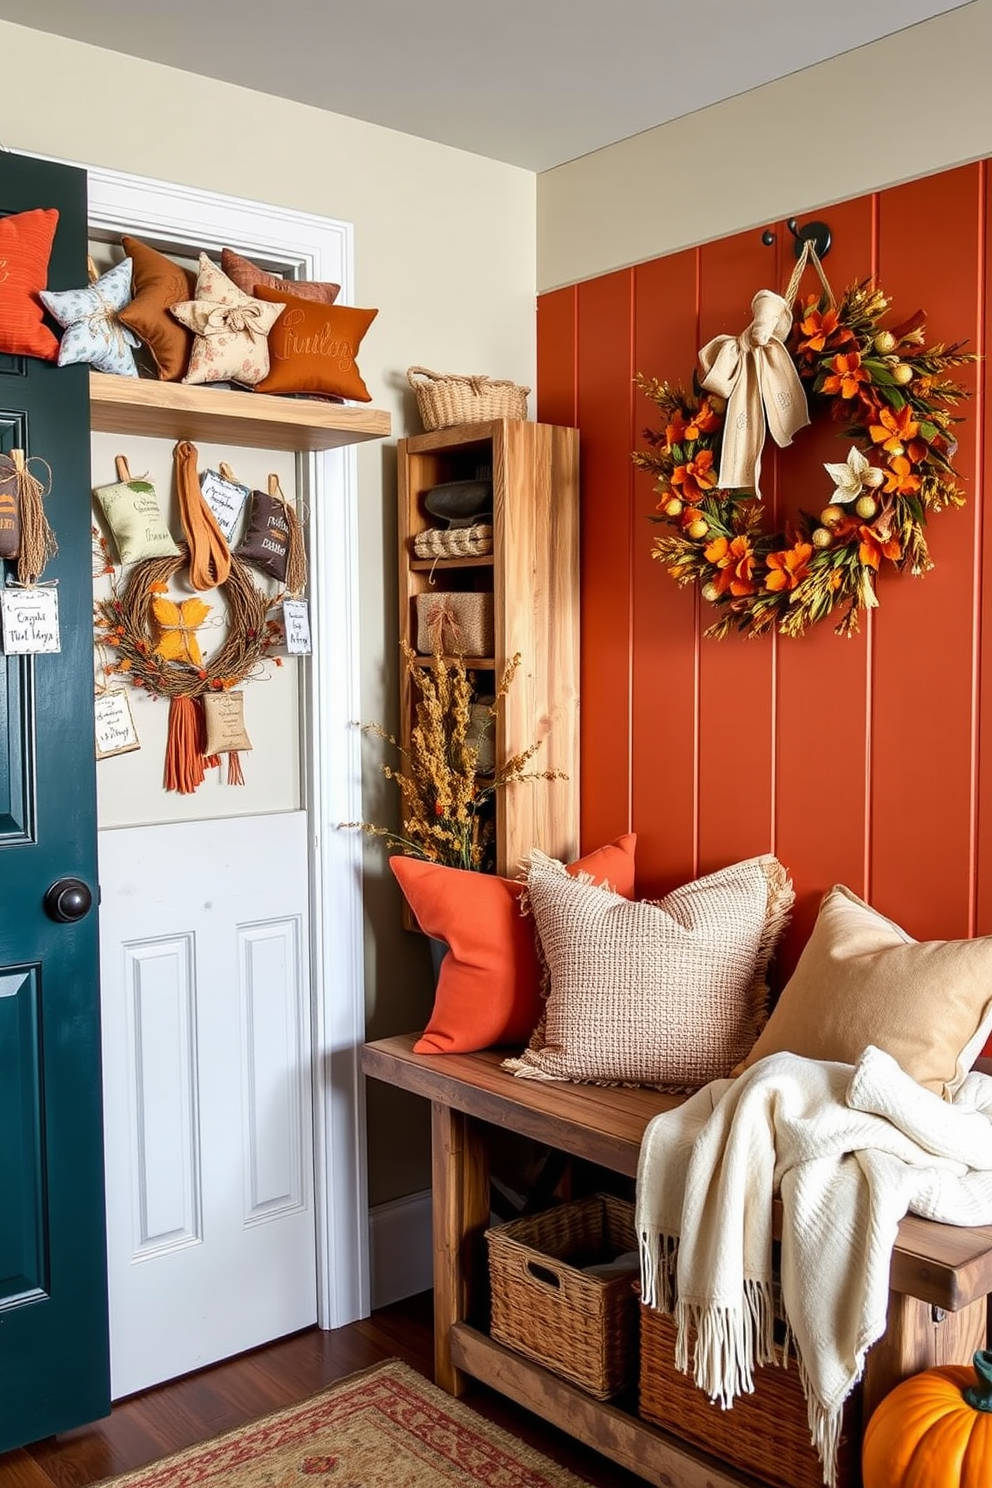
891	397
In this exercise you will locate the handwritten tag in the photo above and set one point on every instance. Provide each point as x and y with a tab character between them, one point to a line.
225	499
115	730
296	624
30	621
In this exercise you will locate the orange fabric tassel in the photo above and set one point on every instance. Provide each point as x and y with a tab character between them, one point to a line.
184	746
235	774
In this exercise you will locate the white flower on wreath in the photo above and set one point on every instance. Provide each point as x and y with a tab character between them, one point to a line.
849	478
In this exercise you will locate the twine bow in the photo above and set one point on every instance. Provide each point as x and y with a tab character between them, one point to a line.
440	615
758	378
104	322
232	319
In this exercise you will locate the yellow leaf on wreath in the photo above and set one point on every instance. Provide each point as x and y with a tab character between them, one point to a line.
177	626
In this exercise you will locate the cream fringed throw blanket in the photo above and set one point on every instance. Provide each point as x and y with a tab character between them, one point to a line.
850	1150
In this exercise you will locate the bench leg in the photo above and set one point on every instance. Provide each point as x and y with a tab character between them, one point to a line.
917	1337
460	1176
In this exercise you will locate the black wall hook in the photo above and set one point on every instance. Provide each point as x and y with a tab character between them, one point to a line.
817	233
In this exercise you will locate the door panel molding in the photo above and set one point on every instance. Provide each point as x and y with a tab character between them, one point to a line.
161	1018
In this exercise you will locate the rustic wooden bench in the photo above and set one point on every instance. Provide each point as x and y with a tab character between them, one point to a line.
940	1279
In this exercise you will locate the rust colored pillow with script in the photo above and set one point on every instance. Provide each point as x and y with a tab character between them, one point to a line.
313	348
25	248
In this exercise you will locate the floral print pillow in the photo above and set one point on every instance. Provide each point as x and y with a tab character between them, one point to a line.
230	329
90	317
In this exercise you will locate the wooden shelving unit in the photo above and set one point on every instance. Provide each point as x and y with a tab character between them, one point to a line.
137	405
533	574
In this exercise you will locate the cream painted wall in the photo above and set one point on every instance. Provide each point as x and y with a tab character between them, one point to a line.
909	105
444	247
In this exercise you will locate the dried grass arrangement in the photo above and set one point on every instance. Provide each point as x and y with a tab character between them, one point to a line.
445	809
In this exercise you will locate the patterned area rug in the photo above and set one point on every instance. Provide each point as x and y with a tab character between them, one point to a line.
384	1428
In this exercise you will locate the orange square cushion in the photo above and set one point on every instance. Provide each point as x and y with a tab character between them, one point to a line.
312	347
158	284
489	988
25	248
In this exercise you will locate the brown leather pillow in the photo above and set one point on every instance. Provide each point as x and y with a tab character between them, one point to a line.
247	277
312	348
159	283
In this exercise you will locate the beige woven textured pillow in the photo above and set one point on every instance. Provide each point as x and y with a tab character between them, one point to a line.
670	994
862	980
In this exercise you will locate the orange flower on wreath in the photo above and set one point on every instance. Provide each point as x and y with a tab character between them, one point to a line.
734	560
692	480
788	567
874	547
681	429
897	433
899	478
822	328
847	375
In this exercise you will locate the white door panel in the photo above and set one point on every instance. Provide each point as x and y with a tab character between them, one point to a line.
206	1029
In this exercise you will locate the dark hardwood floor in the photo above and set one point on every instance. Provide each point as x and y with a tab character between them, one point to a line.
157	1422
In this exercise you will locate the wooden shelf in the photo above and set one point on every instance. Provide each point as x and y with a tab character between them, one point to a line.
470	663
136	405
432	565
621	1437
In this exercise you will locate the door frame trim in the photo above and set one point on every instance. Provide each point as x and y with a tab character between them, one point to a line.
175	217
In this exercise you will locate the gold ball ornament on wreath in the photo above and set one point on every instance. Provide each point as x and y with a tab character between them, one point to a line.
123	623
891	398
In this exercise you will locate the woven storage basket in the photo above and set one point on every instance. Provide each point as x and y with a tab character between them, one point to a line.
454	542
455	623
447	398
765	1433
581	1326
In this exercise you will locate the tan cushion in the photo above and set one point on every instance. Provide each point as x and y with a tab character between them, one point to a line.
862	980
670	994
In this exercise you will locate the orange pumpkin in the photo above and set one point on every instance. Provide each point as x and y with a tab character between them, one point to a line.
934	1430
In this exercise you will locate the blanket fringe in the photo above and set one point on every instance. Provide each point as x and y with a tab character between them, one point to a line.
824	1428
730	1342
659	1258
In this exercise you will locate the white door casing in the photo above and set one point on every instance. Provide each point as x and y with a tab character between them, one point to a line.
180	217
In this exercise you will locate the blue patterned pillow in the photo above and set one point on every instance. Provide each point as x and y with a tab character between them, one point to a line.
93	332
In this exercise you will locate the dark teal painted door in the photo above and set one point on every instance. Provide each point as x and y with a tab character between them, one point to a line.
54	1355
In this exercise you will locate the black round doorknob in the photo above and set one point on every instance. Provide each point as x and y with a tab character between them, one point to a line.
68	899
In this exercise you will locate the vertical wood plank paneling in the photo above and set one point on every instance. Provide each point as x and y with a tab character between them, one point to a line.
556	357
924	634
821	716
665	634
736	679
857	761
983	873
604	379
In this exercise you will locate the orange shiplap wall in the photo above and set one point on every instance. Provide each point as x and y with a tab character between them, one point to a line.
858	761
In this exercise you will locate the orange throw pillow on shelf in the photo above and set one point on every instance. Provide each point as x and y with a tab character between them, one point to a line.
25	248
312	348
158	284
489	987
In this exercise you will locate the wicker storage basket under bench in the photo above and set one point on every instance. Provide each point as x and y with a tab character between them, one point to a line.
765	1433
582	1326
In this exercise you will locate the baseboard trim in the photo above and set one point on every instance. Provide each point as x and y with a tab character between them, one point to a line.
401	1248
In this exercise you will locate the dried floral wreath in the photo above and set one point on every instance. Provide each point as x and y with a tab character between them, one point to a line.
169	664
891	397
